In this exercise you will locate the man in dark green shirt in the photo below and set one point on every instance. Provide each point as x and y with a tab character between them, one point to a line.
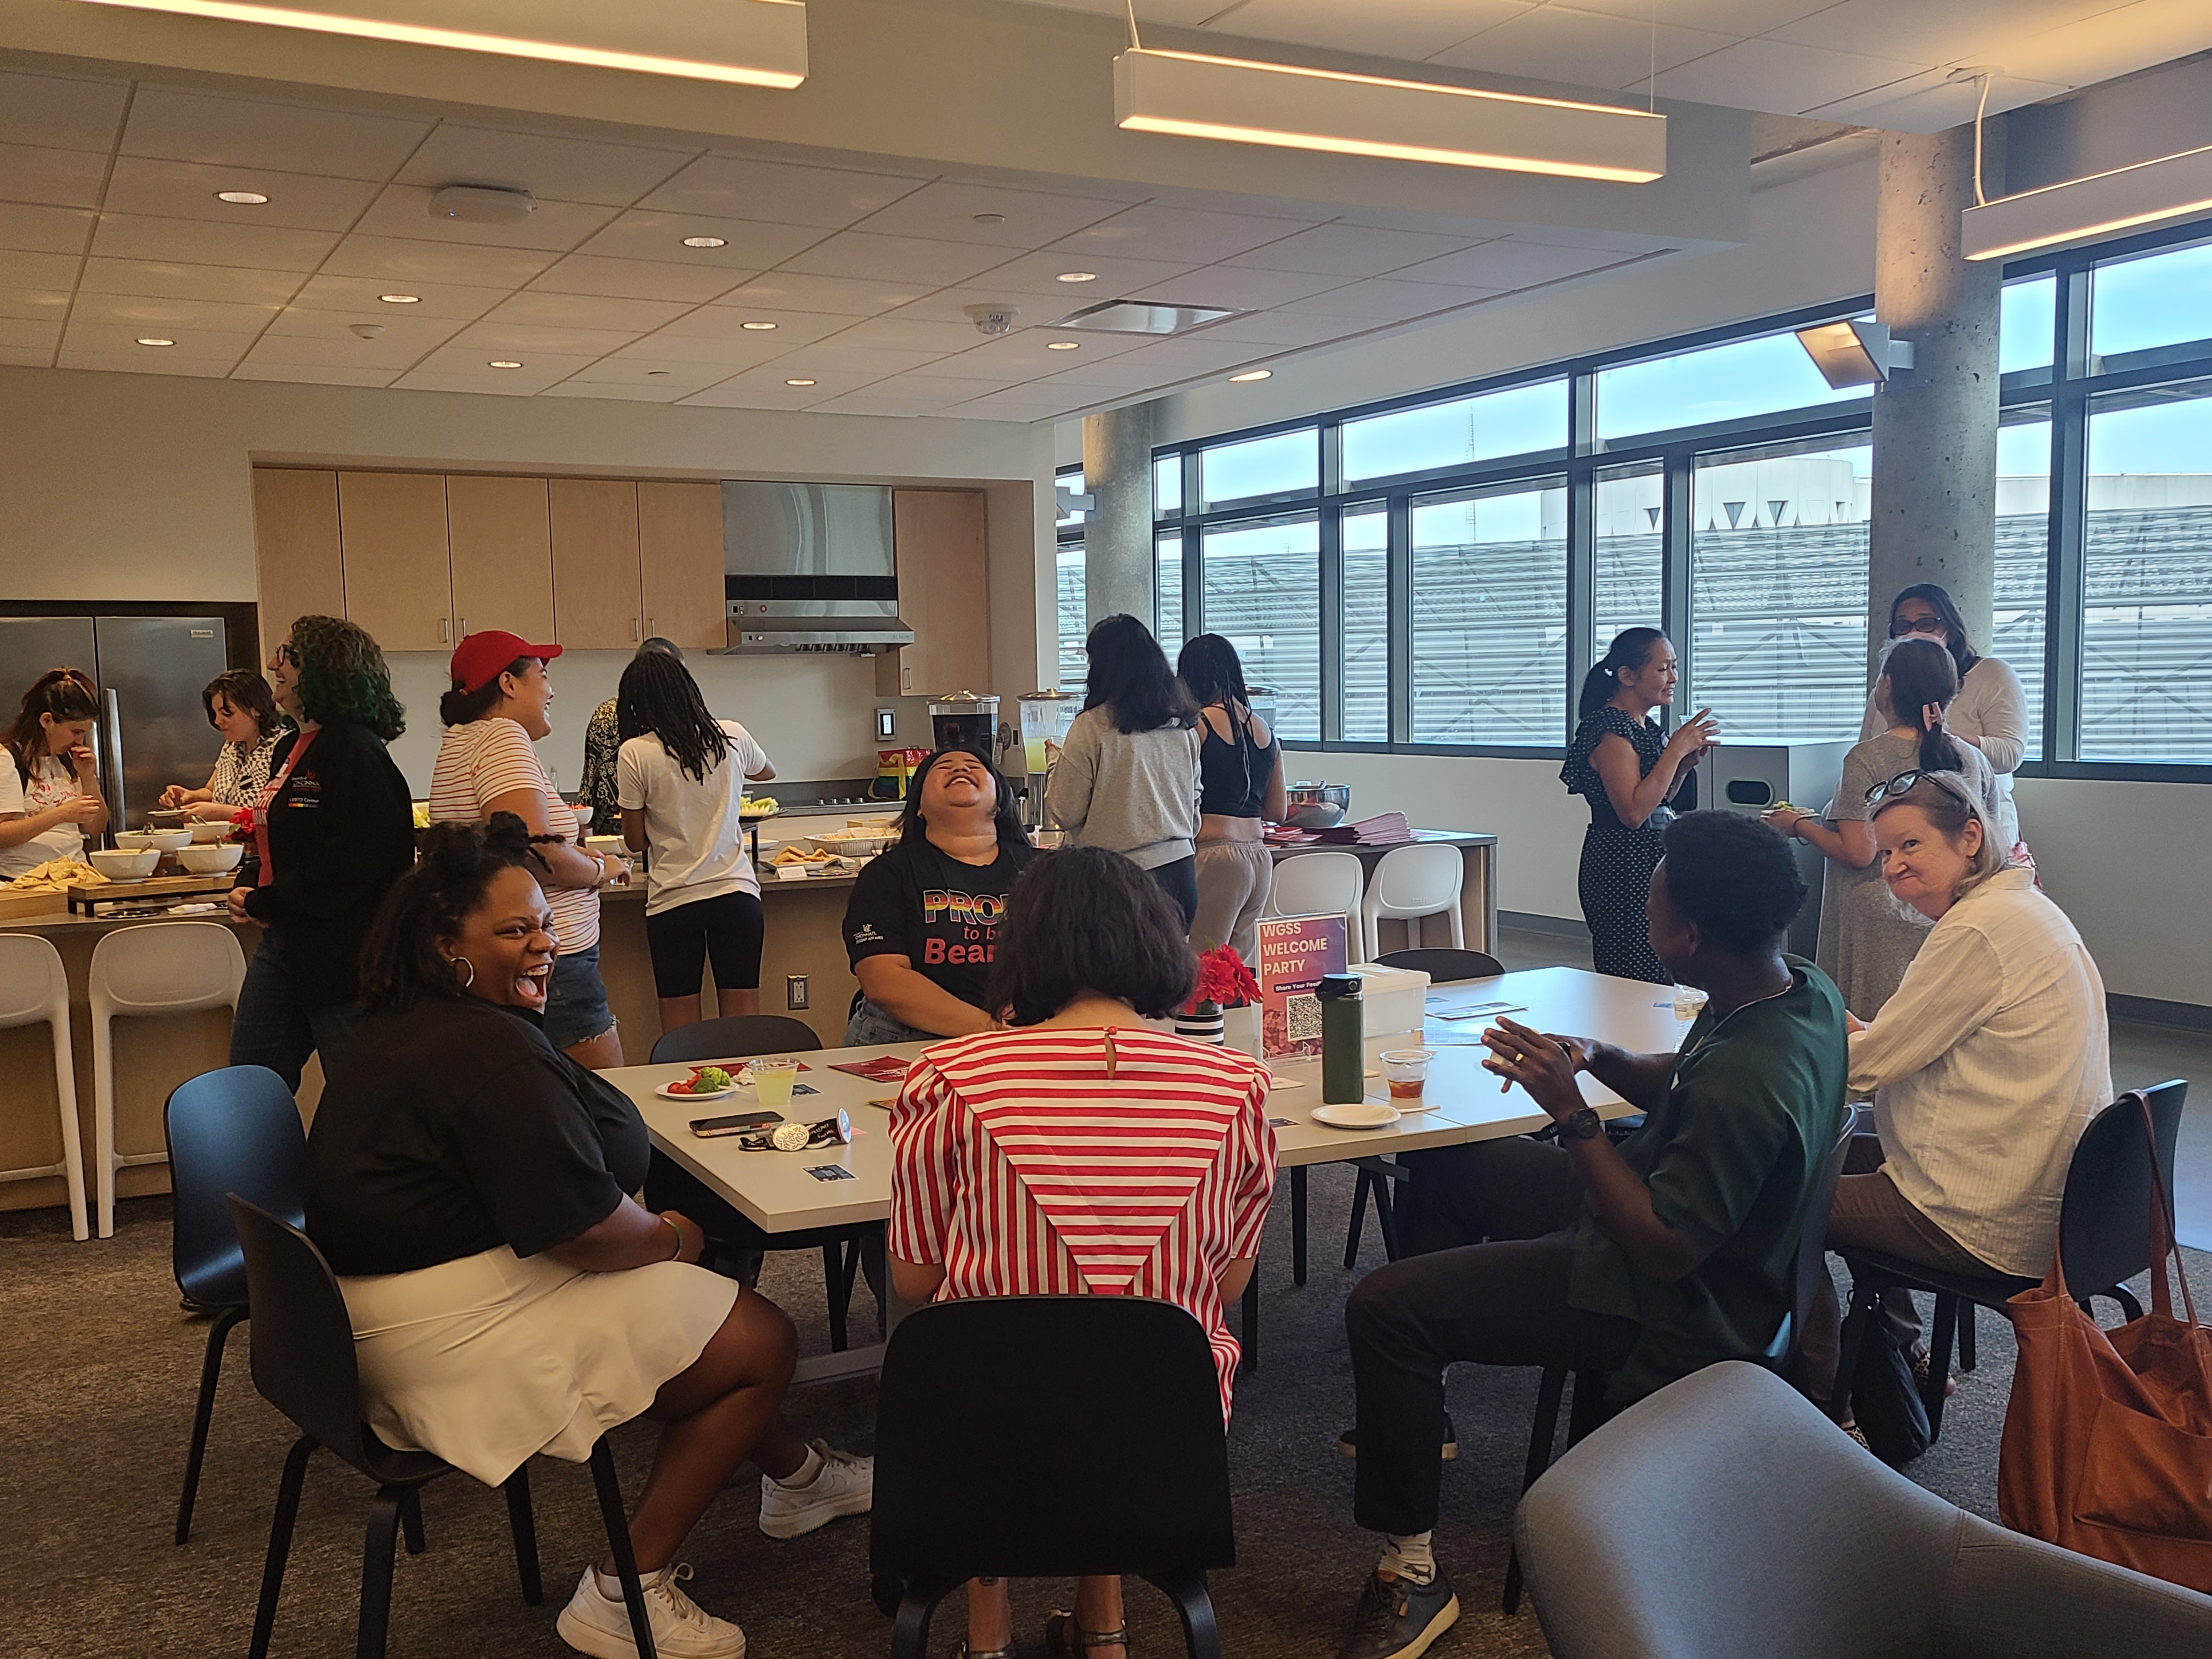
1648	1260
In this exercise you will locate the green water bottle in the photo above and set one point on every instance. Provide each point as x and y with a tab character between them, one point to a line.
1343	1061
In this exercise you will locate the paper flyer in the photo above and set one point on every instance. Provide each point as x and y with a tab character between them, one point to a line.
1294	951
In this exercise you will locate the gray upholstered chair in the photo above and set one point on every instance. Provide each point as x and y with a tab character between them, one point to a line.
1725	1518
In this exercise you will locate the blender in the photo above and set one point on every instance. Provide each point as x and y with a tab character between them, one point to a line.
1045	717
965	720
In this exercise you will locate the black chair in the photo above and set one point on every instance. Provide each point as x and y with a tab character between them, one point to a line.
1089	1442
1446	966
845	1250
2104	1227
303	1364
1809	1266
236	1130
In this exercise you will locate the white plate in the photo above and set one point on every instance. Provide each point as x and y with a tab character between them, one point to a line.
1364	1115
667	1091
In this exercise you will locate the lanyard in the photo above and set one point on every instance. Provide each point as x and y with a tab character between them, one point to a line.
266	799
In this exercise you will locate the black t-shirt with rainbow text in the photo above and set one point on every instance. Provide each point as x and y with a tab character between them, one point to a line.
941	915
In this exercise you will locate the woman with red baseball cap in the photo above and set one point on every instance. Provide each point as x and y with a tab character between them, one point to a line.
493	715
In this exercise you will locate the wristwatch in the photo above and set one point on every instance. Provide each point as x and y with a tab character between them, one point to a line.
1585	1125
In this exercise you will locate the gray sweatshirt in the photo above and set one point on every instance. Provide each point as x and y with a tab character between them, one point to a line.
1134	793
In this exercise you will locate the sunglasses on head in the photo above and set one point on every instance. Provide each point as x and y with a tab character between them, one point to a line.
1905	780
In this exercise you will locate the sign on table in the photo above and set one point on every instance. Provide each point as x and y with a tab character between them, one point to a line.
1294	951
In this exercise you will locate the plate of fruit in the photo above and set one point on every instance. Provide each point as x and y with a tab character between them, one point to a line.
705	1083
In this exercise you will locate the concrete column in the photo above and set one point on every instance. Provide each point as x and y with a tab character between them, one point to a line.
1117	536
1933	517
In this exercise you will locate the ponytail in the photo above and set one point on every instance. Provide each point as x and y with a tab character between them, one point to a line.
62	694
1921	672
1630	648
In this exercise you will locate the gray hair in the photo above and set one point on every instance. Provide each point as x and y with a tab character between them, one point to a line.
1950	803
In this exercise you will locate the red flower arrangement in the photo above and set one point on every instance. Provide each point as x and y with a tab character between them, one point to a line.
1223	980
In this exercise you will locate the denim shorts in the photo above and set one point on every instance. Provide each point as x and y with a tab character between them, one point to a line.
576	1002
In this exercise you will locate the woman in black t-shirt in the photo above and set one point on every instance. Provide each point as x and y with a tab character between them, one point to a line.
469	1184
922	925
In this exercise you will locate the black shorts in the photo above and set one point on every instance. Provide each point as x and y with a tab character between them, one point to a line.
731	928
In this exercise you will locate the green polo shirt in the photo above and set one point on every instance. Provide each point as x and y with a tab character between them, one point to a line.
1730	1155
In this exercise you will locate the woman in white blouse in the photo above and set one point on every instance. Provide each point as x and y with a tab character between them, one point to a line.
1992	709
1984	1068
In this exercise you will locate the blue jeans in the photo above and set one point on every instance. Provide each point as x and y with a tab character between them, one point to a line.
576	1000
870	1025
273	1027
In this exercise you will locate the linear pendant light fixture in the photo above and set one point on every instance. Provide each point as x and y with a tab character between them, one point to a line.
1241	101
750	43
2138	197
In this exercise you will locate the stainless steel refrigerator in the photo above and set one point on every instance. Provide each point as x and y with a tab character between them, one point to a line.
153	730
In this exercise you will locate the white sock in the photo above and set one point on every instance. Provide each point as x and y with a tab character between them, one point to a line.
806	1473
1409	1557
610	1586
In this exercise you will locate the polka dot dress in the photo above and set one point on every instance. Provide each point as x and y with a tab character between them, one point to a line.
1616	860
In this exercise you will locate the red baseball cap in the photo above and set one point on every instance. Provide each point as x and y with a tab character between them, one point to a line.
480	659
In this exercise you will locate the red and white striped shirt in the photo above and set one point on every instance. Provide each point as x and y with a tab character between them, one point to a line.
479	761
1047	1161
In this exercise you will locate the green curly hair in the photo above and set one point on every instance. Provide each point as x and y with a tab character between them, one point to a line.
343	677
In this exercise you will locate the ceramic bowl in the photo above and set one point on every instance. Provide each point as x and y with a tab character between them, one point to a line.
169	841
124	863
206	831
135	840
212	860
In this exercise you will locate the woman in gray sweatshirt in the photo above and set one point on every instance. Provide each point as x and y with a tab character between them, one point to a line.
1128	777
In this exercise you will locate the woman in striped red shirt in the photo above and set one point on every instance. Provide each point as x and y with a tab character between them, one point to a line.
1082	1152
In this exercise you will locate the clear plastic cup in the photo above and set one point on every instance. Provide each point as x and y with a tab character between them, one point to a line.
1689	1002
1406	1071
772	1080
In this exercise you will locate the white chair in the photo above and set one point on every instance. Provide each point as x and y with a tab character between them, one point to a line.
1323	884
163	968
1411	882
34	989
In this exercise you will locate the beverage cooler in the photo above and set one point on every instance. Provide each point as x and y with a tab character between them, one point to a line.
1750	777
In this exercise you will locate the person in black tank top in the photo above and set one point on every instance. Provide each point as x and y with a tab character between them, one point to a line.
1240	766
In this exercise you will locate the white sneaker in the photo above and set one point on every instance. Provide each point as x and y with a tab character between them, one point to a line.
846	1484
598	1624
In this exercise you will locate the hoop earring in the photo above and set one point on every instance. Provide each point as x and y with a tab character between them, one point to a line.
465	962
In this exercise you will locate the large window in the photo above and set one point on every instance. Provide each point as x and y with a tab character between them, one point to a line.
1490	587
2158	299
1167	593
1074	665
1719	383
1628	550
1518	420
1261	579
1366	590
2023	577
1286	463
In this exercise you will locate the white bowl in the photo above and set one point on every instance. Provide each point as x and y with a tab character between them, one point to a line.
212	860
207	831
124	865
135	840
169	841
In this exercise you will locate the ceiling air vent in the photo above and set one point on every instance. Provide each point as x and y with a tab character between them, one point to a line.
1142	317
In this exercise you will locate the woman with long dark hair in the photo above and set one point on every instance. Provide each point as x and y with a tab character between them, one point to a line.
1990	711
1867	940
1626	767
332	829
1128	774
921	928
680	777
242	708
49	782
1240	770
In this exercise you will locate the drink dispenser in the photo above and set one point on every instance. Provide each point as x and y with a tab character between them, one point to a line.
1045	716
963	719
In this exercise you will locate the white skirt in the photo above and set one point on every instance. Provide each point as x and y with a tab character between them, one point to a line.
490	1359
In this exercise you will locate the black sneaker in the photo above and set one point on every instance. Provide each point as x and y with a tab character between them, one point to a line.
1348	1442
1398	1618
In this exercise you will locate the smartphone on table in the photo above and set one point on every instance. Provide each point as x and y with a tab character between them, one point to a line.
735	1124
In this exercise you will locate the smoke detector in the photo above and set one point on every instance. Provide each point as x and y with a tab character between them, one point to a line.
366	330
482	204
992	319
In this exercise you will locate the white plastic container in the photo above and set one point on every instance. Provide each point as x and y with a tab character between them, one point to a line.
1395	999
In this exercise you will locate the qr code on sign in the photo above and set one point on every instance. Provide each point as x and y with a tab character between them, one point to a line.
1302	1018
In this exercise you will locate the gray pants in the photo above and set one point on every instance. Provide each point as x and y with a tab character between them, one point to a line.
1234	880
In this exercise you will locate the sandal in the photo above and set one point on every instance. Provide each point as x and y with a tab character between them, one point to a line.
1922	1365
963	1651
1065	1639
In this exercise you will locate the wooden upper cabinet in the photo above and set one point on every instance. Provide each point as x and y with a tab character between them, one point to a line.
938	535
391	526
301	570
597	603
501	537
679	547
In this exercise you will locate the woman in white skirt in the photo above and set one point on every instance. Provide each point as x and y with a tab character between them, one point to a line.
470	1186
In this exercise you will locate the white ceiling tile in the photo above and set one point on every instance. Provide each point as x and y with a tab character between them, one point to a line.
1931	102
1348	251
202	242
547	164
1723	16
921	385
192	126
1178	235
144	314
20	269
30	334
169	280
463	368
1027	356
751	244
740	187
1286	328
91	334
1574	236
1190	12
555	227
765	388
359	298
1581	48
1022	403
187	190
255	369
135	363
26	227
1237	288
1775	75
676	377
1404	28
868	402
1028	218
731	353
843	296
404	339
727	322
586	311
1165	364
60	178
34	302
522	339
874	361
636	279
649	392
435	262
2114	41
1039	274
397	351
26	356
61	111
1960	31
897	258
1509	264
1387	299
909	334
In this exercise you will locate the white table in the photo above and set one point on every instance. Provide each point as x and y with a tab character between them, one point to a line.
785	1191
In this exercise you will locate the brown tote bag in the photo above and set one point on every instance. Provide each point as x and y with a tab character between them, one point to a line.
2108	1446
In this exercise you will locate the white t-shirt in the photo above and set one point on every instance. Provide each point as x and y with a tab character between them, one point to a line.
692	826
479	761
52	783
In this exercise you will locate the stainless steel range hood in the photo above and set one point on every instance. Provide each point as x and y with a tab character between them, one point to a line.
809	568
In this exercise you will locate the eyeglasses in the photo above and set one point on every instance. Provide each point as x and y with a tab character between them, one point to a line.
288	653
1933	627
797	1137
1905	780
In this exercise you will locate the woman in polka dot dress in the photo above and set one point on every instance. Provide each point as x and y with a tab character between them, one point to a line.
1628	769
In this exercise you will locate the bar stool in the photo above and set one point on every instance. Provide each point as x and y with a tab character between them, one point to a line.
1411	882
1323	884
162	967
34	990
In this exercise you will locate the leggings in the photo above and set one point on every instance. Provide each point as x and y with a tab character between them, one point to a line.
1181	881
730	926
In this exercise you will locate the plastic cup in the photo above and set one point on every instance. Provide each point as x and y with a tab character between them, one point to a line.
772	1080
1406	1070
1689	1001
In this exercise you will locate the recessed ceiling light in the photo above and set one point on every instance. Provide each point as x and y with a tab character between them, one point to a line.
154	340
401	299
799	383
504	362
654	373
706	241
757	328
990	218
1062	345
241	197
1250	375
1077	277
